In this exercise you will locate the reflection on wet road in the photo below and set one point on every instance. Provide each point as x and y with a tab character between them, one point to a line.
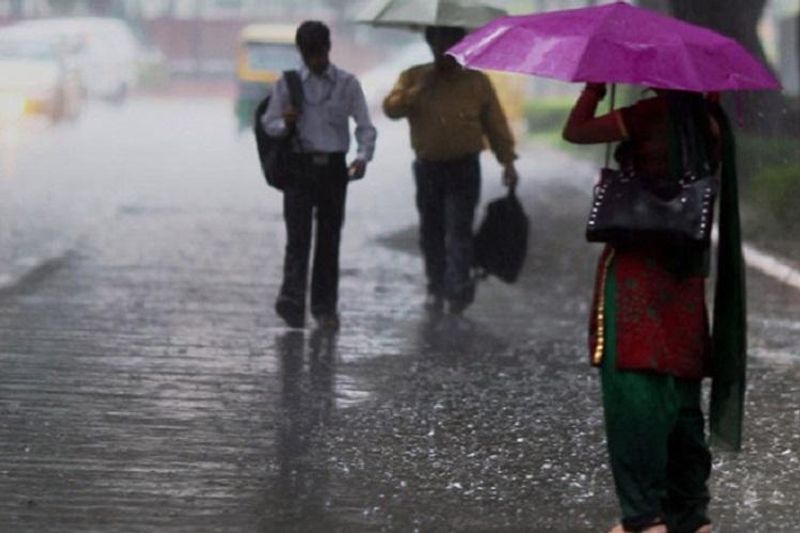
307	399
147	385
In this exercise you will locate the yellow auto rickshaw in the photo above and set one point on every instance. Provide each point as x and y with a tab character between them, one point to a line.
265	51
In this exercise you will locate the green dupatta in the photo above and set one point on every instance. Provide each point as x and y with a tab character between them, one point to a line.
729	324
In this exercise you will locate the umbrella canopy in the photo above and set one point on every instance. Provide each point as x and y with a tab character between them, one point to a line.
614	43
416	14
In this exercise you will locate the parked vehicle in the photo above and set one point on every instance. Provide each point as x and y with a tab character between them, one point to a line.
106	51
265	51
36	77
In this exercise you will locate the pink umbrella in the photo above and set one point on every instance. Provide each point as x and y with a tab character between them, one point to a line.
614	43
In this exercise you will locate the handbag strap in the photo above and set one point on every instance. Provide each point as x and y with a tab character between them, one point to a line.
611	102
295	86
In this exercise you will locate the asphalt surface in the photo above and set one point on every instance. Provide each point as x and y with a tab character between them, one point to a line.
146	384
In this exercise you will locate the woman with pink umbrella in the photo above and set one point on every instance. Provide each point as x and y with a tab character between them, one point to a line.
650	334
649	329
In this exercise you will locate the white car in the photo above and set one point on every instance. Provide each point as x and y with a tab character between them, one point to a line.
106	51
36	78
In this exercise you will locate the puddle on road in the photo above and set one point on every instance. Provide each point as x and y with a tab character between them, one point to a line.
776	356
778	323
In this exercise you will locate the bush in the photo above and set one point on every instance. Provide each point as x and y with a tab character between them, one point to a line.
776	191
547	116
755	154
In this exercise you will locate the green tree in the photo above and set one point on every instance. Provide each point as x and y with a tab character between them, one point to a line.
734	18
767	110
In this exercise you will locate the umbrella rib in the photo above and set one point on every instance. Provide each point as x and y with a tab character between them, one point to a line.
579	65
690	63
383	10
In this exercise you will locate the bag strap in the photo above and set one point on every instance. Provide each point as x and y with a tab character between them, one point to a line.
611	103
295	86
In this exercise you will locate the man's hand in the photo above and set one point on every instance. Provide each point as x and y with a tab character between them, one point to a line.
411	94
290	116
357	169
510	176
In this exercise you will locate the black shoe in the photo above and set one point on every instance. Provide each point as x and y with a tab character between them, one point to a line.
328	321
434	303
290	312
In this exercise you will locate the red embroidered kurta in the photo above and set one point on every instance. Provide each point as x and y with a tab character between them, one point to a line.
661	316
662	323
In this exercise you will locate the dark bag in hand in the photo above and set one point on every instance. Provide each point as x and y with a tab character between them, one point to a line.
628	208
501	242
273	153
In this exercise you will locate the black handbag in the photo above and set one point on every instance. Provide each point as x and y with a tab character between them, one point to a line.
629	208
501	242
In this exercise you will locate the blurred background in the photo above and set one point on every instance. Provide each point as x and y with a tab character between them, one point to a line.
147	383
71	70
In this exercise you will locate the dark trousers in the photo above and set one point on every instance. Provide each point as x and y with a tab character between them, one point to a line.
318	191
447	194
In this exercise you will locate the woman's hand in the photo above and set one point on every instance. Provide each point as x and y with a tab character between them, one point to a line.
599	90
583	127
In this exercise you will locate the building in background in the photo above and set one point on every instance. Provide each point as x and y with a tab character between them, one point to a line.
199	37
196	37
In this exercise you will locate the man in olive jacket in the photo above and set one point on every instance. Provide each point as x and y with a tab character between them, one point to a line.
451	111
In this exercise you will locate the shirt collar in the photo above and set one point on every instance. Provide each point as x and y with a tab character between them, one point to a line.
329	74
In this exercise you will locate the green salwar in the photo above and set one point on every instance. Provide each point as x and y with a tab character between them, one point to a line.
656	441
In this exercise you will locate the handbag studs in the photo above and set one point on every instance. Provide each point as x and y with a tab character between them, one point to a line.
624	208
600	191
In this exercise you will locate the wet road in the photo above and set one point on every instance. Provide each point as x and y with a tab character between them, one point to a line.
145	384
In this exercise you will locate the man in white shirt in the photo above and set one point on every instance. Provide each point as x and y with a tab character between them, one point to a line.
320	174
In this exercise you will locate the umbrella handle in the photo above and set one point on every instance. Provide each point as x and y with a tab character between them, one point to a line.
610	109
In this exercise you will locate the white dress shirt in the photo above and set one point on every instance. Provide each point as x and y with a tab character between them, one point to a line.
329	100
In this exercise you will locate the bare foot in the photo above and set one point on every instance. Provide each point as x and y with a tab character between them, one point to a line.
705	529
